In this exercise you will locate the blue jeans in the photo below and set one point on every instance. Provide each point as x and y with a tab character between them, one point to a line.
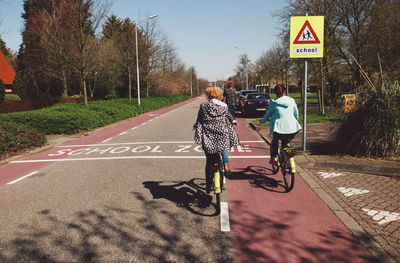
225	156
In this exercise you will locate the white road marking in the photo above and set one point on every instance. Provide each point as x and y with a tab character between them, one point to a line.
134	143
351	191
382	216
225	227
326	175
23	177
135	157
122	133
106	140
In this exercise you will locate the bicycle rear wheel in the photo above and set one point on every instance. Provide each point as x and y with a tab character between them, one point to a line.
217	189
288	177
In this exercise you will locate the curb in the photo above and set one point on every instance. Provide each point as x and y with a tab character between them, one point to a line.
365	239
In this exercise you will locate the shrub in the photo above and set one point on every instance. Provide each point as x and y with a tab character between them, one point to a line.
15	137
25	85
373	129
12	97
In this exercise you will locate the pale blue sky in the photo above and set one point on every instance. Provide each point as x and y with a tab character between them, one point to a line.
203	31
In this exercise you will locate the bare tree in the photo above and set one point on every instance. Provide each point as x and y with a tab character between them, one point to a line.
84	18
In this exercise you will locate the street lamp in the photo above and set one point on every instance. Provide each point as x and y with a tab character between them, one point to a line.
137	54
246	69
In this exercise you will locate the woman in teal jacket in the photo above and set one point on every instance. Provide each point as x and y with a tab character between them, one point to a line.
284	123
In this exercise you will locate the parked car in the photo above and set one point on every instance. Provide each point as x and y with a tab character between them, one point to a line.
255	104
241	96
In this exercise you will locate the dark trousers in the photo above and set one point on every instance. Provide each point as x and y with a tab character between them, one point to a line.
232	110
285	139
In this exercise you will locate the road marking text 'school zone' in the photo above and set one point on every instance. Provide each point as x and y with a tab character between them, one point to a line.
136	149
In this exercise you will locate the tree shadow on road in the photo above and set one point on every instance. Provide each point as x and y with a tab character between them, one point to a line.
150	231
277	239
146	232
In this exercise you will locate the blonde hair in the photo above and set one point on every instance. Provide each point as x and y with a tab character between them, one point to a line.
214	93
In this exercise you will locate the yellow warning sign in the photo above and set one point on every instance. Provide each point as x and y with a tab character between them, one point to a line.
306	36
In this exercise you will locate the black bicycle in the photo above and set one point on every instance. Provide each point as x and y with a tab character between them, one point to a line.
216	180
287	165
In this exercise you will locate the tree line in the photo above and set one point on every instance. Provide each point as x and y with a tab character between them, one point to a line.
359	35
76	47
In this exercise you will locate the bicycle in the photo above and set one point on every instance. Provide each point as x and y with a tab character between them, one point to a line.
216	179
286	162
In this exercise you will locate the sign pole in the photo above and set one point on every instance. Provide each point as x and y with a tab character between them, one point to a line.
306	41
305	106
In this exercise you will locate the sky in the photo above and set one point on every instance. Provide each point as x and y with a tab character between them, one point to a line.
204	32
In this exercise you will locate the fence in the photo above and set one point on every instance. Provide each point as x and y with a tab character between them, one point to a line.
8	106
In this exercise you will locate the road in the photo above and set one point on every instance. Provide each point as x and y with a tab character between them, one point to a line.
135	193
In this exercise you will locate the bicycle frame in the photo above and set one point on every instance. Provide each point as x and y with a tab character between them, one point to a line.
290	153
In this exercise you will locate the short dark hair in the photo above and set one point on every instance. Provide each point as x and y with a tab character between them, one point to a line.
279	90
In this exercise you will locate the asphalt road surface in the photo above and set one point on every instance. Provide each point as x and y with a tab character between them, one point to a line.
135	193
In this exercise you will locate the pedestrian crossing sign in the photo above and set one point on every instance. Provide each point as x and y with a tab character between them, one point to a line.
306	36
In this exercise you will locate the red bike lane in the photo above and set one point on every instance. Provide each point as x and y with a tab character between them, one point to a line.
270	225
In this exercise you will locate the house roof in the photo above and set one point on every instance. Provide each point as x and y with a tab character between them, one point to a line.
7	73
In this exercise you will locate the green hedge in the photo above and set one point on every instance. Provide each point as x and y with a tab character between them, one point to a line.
15	137
75	118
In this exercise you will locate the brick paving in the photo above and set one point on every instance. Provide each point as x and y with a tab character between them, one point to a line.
367	190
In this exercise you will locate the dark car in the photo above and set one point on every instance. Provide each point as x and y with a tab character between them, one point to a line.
241	96
255	104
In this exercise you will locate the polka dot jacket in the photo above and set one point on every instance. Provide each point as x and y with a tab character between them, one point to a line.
214	129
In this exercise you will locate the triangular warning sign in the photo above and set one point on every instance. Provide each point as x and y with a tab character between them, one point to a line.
306	35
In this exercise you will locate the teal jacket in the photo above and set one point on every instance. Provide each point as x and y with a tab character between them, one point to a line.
284	116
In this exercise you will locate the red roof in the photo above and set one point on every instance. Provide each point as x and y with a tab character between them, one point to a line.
7	73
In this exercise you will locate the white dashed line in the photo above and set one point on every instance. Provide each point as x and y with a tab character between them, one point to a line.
23	177
122	133
106	140
224	216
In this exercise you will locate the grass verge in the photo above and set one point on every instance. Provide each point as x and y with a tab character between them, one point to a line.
24	130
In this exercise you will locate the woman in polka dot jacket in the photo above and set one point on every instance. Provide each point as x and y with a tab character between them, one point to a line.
214	129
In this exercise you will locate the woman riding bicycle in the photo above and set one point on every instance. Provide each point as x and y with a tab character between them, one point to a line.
214	130
284	123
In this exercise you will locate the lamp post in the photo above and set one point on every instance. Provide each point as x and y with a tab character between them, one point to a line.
246	69
137	54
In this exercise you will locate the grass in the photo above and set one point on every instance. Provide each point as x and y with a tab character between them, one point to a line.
71	118
312	98
312	117
24	130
